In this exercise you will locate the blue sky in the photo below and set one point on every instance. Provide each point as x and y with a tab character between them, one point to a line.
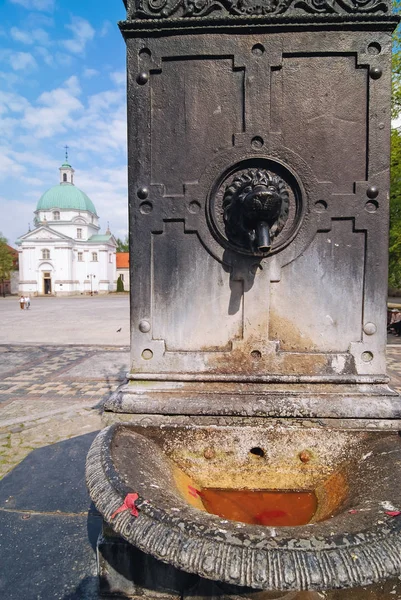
62	81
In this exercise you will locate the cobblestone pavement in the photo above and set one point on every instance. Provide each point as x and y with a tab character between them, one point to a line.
52	393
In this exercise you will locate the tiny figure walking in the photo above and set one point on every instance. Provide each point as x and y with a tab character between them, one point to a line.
27	302
22	302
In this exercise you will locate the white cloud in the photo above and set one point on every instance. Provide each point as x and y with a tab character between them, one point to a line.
107	188
82	32
62	59
8	166
20	61
9	80
54	111
118	77
30	37
90	73
20	36
106	27
12	102
46	5
33	181
45	55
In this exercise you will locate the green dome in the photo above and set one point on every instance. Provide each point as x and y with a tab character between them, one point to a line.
67	196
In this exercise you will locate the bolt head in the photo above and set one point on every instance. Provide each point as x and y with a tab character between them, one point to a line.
369	328
142	78
372	192
375	72
143	193
144	326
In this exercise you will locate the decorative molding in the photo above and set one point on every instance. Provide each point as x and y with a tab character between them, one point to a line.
159	9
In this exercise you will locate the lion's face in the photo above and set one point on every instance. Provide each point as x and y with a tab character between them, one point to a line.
261	203
253	198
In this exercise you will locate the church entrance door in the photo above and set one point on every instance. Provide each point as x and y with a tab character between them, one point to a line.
47	283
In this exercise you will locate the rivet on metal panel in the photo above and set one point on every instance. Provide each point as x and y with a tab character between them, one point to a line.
372	191
257	142
367	356
144	326
370	328
142	78
320	206
374	48
371	206
375	72
146	208
147	354
143	193
258	49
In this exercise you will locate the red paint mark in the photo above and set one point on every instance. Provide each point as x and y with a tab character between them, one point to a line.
393	513
193	492
352	511
128	504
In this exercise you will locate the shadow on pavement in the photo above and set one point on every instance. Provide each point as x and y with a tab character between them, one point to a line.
48	526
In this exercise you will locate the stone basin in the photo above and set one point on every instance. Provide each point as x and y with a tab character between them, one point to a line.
353	539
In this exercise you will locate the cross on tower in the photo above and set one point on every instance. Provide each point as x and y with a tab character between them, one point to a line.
66	153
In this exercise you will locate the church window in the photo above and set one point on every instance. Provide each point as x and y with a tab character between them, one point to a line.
79	234
56	215
45	254
110	258
94	256
80	256
122	276
64	177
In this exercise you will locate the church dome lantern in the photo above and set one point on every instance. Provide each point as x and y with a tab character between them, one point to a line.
65	195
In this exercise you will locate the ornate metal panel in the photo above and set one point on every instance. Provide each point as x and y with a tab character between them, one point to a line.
258	195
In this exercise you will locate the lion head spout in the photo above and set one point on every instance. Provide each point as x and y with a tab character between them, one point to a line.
255	207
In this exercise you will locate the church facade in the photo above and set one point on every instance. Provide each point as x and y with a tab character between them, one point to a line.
65	254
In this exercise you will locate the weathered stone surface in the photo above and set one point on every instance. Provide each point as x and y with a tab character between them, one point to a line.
350	549
258	185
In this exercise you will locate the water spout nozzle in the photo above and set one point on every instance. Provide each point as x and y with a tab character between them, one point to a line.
263	237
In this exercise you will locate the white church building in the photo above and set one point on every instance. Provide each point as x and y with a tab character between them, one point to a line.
65	254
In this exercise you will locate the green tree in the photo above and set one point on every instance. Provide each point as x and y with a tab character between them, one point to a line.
122	246
120	284
6	261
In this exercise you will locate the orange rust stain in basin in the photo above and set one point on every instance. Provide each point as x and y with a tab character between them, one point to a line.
261	507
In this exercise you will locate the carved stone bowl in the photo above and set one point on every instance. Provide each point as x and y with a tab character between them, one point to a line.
352	540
